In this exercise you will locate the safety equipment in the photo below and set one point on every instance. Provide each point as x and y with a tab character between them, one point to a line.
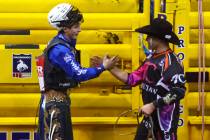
64	15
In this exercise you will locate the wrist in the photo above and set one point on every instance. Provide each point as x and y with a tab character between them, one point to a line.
102	67
155	103
111	68
106	68
158	103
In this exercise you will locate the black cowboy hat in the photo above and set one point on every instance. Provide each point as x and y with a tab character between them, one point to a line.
161	29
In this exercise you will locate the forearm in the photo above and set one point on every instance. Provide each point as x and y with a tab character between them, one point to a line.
119	74
85	74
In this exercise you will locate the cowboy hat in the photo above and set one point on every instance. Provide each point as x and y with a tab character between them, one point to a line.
161	29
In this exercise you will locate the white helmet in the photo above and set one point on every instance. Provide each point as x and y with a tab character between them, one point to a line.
64	14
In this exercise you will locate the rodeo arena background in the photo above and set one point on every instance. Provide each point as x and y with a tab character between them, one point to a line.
104	69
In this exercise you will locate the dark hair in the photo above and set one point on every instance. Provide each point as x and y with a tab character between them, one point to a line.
74	17
160	39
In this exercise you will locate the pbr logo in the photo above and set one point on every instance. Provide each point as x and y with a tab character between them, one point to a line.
21	65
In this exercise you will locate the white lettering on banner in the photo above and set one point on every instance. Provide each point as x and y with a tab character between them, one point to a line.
41	77
181	29
181	122
40	71
181	56
180	77
181	109
22	57
41	83
181	45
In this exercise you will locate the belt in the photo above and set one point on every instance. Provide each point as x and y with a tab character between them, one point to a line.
57	96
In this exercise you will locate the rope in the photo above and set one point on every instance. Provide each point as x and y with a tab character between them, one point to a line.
202	54
124	113
152	128
199	61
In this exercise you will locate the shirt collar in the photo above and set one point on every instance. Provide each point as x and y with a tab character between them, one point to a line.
72	42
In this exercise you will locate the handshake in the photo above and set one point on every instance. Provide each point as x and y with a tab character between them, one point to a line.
108	62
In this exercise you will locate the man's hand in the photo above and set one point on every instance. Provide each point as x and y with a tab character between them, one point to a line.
147	109
109	63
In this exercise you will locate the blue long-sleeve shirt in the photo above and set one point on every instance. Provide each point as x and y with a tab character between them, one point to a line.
62	57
